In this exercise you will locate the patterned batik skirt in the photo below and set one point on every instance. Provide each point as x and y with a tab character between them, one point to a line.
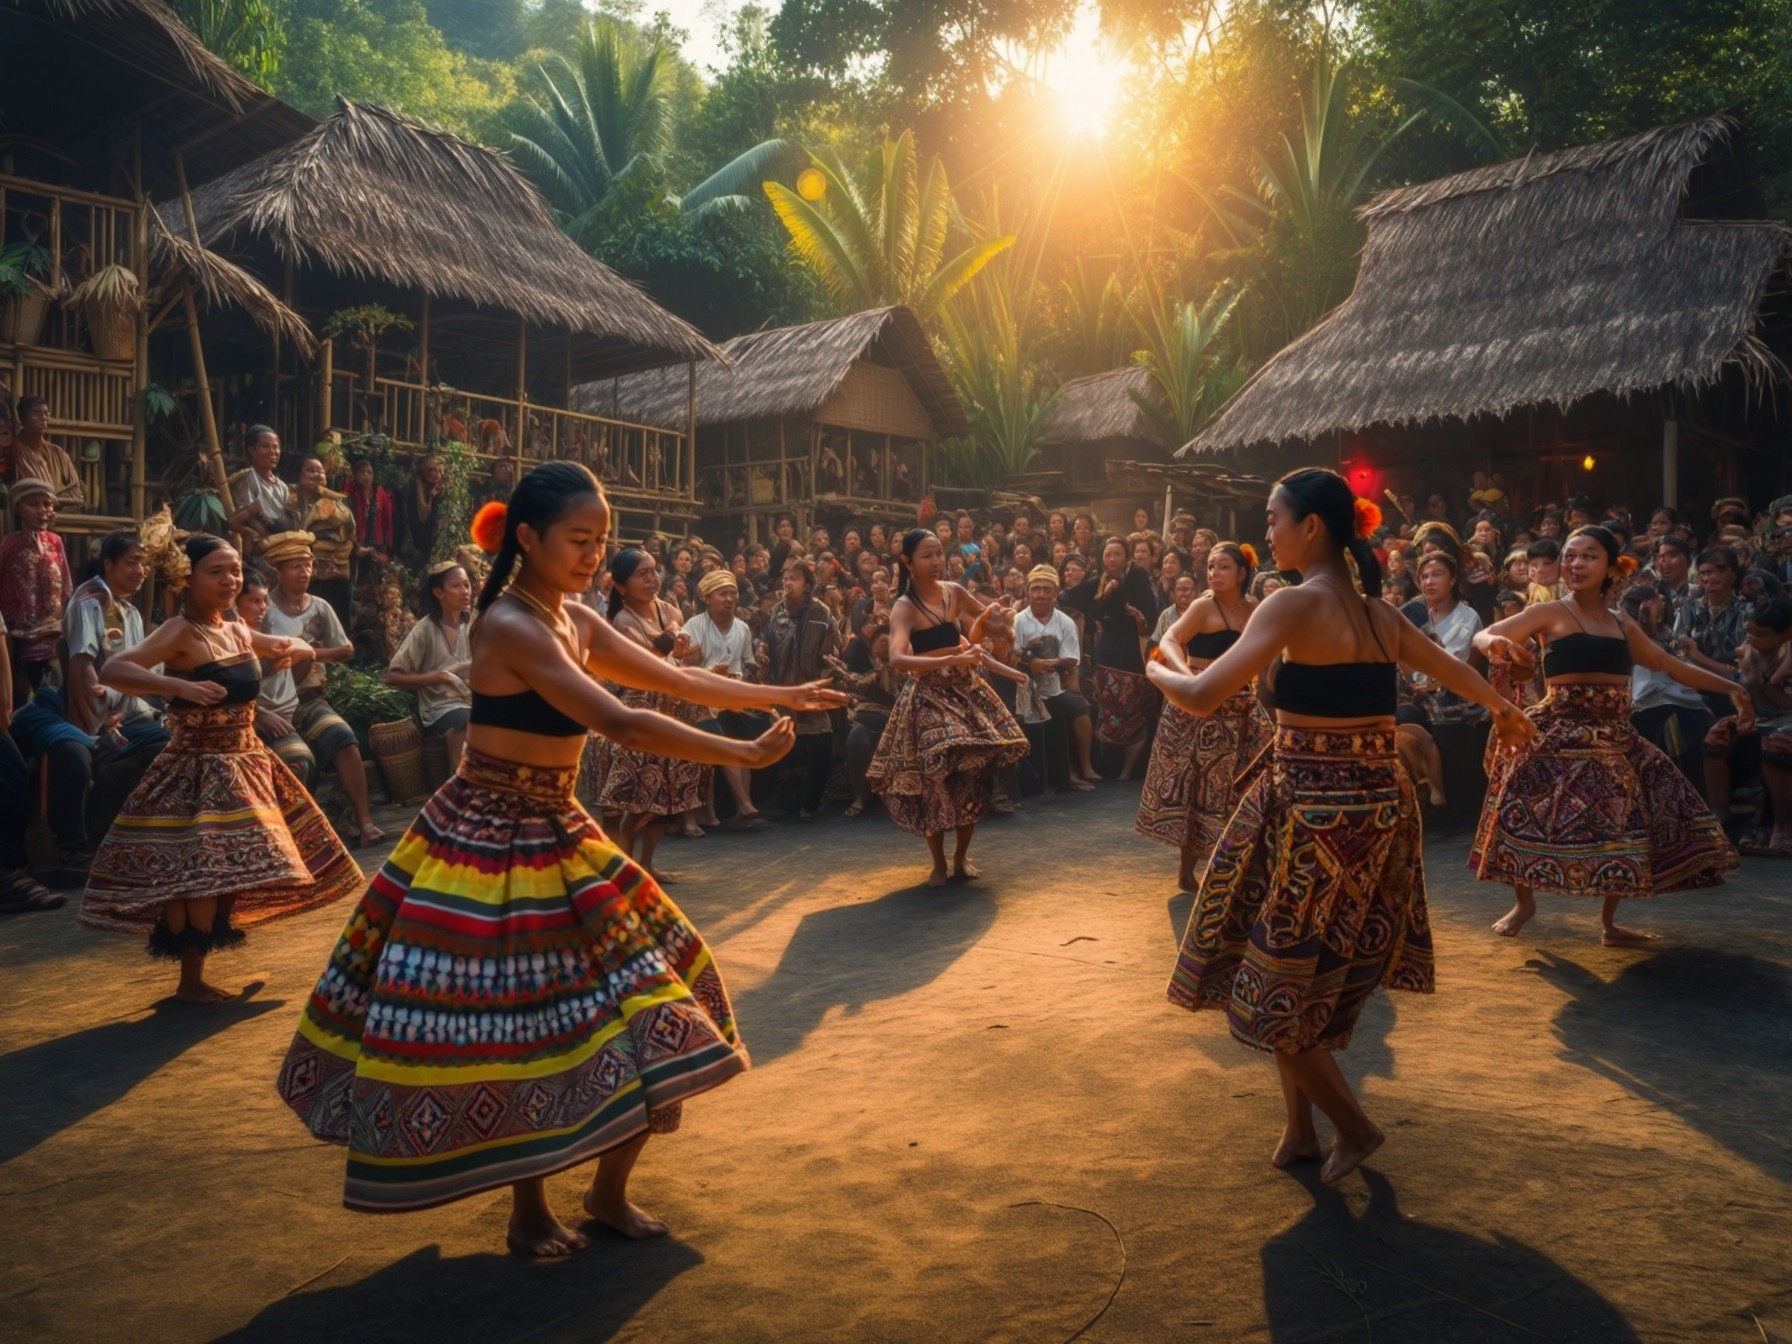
1592	808
638	783
947	732
1192	783
512	996
1314	896
217	815
1125	704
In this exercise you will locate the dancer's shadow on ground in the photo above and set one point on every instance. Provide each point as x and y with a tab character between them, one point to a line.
852	955
1386	1277
587	1296
50	1086
1699	1032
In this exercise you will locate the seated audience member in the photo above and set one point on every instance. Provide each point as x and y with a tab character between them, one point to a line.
1765	668
722	642
263	501
19	892
293	612
35	584
279	697
864	672
1545	557
1710	625
325	514
1049	650
1673	717
434	659
34	457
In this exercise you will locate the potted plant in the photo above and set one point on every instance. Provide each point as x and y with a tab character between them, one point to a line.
110	300
25	296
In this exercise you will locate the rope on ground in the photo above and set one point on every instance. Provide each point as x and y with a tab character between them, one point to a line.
306	1283
1119	1240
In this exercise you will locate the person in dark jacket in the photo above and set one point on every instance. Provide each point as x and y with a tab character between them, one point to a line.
800	637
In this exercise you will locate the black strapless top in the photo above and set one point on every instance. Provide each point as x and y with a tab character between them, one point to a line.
1212	645
241	681
933	638
1337	690
1578	654
524	712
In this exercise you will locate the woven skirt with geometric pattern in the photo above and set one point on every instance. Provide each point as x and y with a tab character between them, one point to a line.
1314	896
639	783
1593	808
512	996
947	732
1191	784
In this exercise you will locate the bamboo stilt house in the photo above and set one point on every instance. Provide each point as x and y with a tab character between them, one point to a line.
503	315
1566	319
827	421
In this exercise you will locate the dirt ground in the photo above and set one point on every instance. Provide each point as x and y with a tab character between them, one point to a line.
972	1116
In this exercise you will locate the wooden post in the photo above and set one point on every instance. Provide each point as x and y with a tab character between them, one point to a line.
423	346
522	390
690	423
326	375
1670	463
208	417
140	368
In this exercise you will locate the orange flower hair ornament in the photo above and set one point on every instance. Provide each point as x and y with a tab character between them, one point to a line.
1368	517
1249	552
1627	565
488	526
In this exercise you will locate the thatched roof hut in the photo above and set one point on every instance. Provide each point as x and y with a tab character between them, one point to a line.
1608	269
87	78
395	211
834	418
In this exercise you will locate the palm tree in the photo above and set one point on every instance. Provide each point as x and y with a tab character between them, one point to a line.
881	238
594	121
1178	350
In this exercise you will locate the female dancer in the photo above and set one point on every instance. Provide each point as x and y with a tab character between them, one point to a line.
434	659
1191	784
1596	809
1117	598
513	995
642	787
1316	891
948	731
218	835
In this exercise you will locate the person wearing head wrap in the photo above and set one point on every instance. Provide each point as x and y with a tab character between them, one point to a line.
35	583
723	644
1046	642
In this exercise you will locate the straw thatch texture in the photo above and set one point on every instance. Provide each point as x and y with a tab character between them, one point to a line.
790	372
79	70
373	196
1536	282
219	281
1101	408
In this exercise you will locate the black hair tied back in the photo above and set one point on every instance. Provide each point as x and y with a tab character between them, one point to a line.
911	542
540	499
1316	490
622	568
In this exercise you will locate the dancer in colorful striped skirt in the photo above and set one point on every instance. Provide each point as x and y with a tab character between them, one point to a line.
1595	809
948	730
1316	890
218	835
1191	783
513	994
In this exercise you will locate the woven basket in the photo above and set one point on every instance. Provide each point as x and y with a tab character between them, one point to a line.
114	332
398	747
22	318
436	768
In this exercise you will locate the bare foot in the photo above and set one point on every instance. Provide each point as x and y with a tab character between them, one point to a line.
937	878
1347	1156
1437	794
368	835
629	1219
1508	924
1296	1148
690	831
966	869
1617	937
1082	785
203	993
664	876
545	1241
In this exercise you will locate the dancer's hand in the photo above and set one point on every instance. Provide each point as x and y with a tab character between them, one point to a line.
771	746
1745	712
1513	728
202	692
1502	650
811	695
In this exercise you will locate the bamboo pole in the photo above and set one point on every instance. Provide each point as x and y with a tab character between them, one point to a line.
140	368
207	416
690	443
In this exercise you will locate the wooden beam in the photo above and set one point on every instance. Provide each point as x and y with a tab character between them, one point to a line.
423	345
140	367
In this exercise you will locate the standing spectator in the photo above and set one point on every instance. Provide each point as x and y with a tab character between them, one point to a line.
263	501
375	532
1117	599
34	457
1673	566
419	515
800	639
434	659
19	893
864	669
35	584
1051	654
499	482
724	645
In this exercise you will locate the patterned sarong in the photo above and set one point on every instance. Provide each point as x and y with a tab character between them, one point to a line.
947	731
1191	785
512	996
638	783
1124	705
1315	895
1592	808
216	815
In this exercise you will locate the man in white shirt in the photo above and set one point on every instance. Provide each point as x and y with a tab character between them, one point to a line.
263	501
725	646
1045	640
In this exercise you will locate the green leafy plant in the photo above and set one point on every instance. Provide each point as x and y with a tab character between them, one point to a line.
24	269
1180	353
364	324
362	699
454	505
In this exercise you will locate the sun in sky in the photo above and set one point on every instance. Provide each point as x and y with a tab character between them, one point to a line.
1085	77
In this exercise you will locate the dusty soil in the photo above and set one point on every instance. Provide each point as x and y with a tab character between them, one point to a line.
972	1116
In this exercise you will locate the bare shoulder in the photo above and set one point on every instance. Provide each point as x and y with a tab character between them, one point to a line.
583	618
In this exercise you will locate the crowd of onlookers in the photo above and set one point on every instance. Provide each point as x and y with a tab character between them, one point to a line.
1091	597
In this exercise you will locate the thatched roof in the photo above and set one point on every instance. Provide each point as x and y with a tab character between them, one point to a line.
219	282
371	196
86	75
1536	282
1100	407
790	372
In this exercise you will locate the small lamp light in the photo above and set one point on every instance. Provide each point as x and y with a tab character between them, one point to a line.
1587	463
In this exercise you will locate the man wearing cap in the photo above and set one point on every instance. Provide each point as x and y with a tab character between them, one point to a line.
1045	640
724	645
294	613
